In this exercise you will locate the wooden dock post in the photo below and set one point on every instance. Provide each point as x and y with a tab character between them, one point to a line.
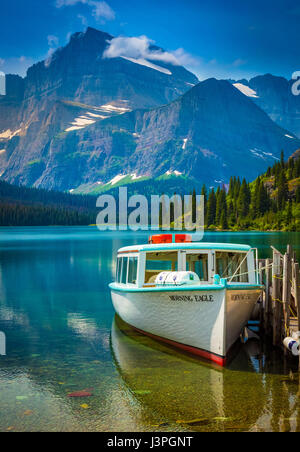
296	287
262	297
268	301
297	291
277	306
282	297
286	291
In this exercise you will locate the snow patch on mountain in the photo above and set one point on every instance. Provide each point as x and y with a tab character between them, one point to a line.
117	179
246	90
289	136
89	118
147	63
134	176
93	115
80	123
257	153
262	154
176	173
184	143
9	134
113	108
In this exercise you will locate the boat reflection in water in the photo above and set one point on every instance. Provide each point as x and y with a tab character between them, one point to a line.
184	392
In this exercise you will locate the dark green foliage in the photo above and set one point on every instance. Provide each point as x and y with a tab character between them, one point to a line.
22	206
267	203
271	202
211	208
34	215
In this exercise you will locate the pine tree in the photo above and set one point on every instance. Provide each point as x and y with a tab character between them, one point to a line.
289	214
211	208
255	200
282	164
204	193
282	190
263	199
243	201
221	206
223	222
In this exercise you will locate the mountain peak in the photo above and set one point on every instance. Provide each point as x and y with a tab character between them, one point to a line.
90	37
95	33
213	87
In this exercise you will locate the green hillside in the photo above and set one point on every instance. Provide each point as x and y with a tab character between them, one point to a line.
271	202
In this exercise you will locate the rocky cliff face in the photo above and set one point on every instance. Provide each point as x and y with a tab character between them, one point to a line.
79	73
76	120
74	88
274	95
210	133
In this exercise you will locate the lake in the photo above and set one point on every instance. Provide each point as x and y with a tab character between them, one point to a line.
62	336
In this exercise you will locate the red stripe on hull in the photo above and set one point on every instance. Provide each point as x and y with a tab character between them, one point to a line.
220	360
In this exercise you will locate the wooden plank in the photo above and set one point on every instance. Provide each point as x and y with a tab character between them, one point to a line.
286	292
276	251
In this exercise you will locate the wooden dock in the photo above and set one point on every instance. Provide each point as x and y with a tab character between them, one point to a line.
280	300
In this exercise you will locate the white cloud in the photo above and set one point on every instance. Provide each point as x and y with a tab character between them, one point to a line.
83	19
239	62
100	9
2	61
53	44
48	59
52	41
140	48
68	37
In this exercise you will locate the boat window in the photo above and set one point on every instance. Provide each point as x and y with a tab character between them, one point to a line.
122	264
122	270
229	263
118	272
159	262
132	270
198	263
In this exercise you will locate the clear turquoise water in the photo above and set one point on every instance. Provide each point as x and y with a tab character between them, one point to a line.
62	337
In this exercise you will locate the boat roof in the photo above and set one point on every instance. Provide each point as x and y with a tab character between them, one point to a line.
185	246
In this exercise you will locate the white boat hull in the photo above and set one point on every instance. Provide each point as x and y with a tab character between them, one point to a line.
206	323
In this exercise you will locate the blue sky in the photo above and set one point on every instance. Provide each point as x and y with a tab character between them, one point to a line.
216	38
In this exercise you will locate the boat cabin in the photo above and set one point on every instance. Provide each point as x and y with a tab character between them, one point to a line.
140	265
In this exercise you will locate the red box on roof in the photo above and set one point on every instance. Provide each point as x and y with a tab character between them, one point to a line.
161	238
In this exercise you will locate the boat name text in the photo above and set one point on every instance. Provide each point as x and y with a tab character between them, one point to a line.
242	297
193	298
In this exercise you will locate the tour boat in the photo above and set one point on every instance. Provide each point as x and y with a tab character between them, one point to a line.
196	296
